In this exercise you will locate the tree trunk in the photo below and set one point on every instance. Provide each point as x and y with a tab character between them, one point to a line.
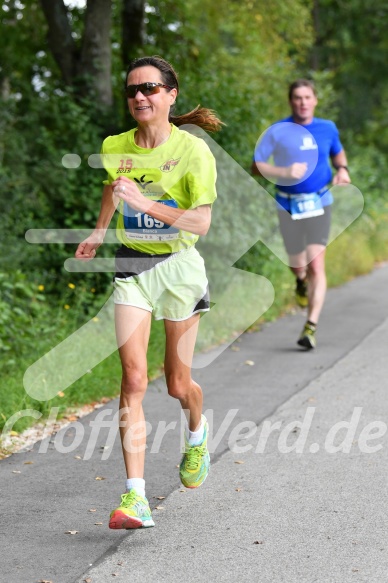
133	28
315	57
87	70
96	58
60	40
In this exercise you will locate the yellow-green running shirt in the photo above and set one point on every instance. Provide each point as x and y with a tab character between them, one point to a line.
180	173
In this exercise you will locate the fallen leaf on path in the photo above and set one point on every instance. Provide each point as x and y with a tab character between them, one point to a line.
88	580
77	457
16	471
71	418
28	463
100	478
44	581
92	510
71	531
160	497
238	489
258	542
98	523
159	507
249	362
239	462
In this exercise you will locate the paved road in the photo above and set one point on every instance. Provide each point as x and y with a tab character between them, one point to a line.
265	514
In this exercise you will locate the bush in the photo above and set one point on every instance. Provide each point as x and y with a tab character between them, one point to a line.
23	309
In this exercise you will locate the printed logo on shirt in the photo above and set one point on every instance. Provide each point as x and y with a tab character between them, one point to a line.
169	165
142	183
125	166
308	144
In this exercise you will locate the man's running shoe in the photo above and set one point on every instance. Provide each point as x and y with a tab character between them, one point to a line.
301	292
195	463
307	337
133	512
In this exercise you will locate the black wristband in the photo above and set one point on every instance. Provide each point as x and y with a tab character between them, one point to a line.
338	167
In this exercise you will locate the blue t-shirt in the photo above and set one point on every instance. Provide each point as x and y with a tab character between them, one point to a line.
289	142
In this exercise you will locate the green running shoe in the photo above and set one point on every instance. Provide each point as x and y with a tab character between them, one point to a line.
195	463
307	337
301	292
133	512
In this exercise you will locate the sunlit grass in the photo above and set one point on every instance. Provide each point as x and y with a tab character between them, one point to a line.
103	381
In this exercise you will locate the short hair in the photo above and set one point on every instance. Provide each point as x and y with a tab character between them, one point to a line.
301	83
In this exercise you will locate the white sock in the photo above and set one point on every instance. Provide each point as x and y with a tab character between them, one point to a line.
137	484
195	437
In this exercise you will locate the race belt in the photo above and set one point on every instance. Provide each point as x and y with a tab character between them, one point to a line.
305	205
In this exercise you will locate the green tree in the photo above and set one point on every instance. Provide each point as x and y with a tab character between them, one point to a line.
236	57
356	51
86	63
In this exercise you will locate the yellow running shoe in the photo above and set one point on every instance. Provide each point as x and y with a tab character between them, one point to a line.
307	337
195	464
133	512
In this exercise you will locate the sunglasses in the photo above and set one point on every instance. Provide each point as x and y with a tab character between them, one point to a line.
145	88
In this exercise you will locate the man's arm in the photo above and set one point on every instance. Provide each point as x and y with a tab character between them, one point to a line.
255	170
340	163
295	171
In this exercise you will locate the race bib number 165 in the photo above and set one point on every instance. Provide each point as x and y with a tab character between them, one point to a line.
142	226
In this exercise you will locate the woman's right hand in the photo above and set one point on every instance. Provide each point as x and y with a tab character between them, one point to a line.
87	249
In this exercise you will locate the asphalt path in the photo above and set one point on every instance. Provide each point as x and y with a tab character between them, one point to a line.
264	514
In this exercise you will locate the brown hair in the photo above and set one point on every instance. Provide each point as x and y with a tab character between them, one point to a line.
301	83
200	116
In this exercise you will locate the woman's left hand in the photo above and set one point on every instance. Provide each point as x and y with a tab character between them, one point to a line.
128	191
